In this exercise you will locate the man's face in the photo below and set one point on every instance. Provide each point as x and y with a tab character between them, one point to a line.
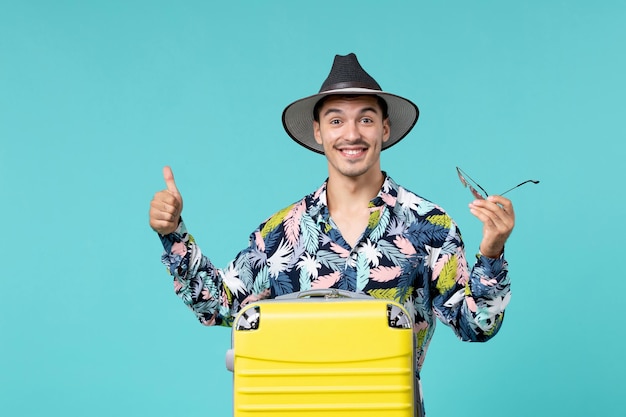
352	131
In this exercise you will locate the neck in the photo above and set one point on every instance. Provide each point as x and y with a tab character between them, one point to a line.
352	193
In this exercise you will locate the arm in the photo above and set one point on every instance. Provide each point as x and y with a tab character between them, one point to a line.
471	303
213	294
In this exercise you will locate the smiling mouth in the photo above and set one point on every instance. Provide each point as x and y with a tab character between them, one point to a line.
353	152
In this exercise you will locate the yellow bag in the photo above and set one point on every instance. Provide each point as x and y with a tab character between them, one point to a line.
323	353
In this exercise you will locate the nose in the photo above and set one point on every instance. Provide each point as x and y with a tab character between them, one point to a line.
352	131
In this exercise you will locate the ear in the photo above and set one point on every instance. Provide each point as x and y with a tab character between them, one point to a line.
386	130
316	132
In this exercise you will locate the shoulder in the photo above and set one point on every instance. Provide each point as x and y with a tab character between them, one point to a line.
290	213
424	220
408	200
420	213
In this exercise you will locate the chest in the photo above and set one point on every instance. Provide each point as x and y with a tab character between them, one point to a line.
351	226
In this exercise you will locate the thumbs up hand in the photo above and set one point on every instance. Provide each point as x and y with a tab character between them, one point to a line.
166	206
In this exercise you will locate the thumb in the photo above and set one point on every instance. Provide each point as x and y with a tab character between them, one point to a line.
168	176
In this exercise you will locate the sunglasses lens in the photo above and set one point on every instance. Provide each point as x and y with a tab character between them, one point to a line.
476	194
462	179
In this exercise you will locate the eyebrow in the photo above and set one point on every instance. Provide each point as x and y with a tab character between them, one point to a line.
363	110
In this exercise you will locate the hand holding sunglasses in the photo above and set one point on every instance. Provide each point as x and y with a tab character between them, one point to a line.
496	214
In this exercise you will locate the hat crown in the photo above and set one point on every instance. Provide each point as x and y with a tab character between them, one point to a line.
346	72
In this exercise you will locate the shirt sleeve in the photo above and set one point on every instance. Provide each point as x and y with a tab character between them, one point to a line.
471	302
214	295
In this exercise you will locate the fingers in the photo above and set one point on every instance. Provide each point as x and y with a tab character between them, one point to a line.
496	209
498	218
166	206
168	176
503	202
164	212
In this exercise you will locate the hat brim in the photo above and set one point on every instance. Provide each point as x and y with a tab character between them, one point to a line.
298	116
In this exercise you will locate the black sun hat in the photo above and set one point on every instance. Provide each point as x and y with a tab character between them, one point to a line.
347	77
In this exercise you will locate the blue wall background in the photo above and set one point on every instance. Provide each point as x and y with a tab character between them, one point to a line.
95	97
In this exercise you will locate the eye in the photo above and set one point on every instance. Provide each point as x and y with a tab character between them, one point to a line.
334	121
367	120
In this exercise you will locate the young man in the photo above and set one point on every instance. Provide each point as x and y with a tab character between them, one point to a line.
360	231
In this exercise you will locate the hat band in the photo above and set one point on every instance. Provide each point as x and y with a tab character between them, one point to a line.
340	86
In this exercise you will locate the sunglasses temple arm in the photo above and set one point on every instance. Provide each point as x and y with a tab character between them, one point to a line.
519	185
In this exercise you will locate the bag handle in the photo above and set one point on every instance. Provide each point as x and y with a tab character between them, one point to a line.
323	292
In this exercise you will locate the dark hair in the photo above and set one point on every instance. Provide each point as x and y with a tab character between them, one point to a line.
318	106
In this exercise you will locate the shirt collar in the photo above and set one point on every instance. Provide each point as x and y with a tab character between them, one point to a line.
317	204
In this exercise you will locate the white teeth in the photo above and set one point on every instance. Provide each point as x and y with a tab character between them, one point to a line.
352	151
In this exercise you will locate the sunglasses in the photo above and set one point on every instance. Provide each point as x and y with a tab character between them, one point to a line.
474	187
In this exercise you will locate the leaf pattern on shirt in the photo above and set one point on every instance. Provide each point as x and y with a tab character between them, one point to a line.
385	273
362	271
280	258
446	268
326	281
292	223
274	221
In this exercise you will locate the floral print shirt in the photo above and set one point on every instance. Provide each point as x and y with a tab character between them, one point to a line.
411	252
